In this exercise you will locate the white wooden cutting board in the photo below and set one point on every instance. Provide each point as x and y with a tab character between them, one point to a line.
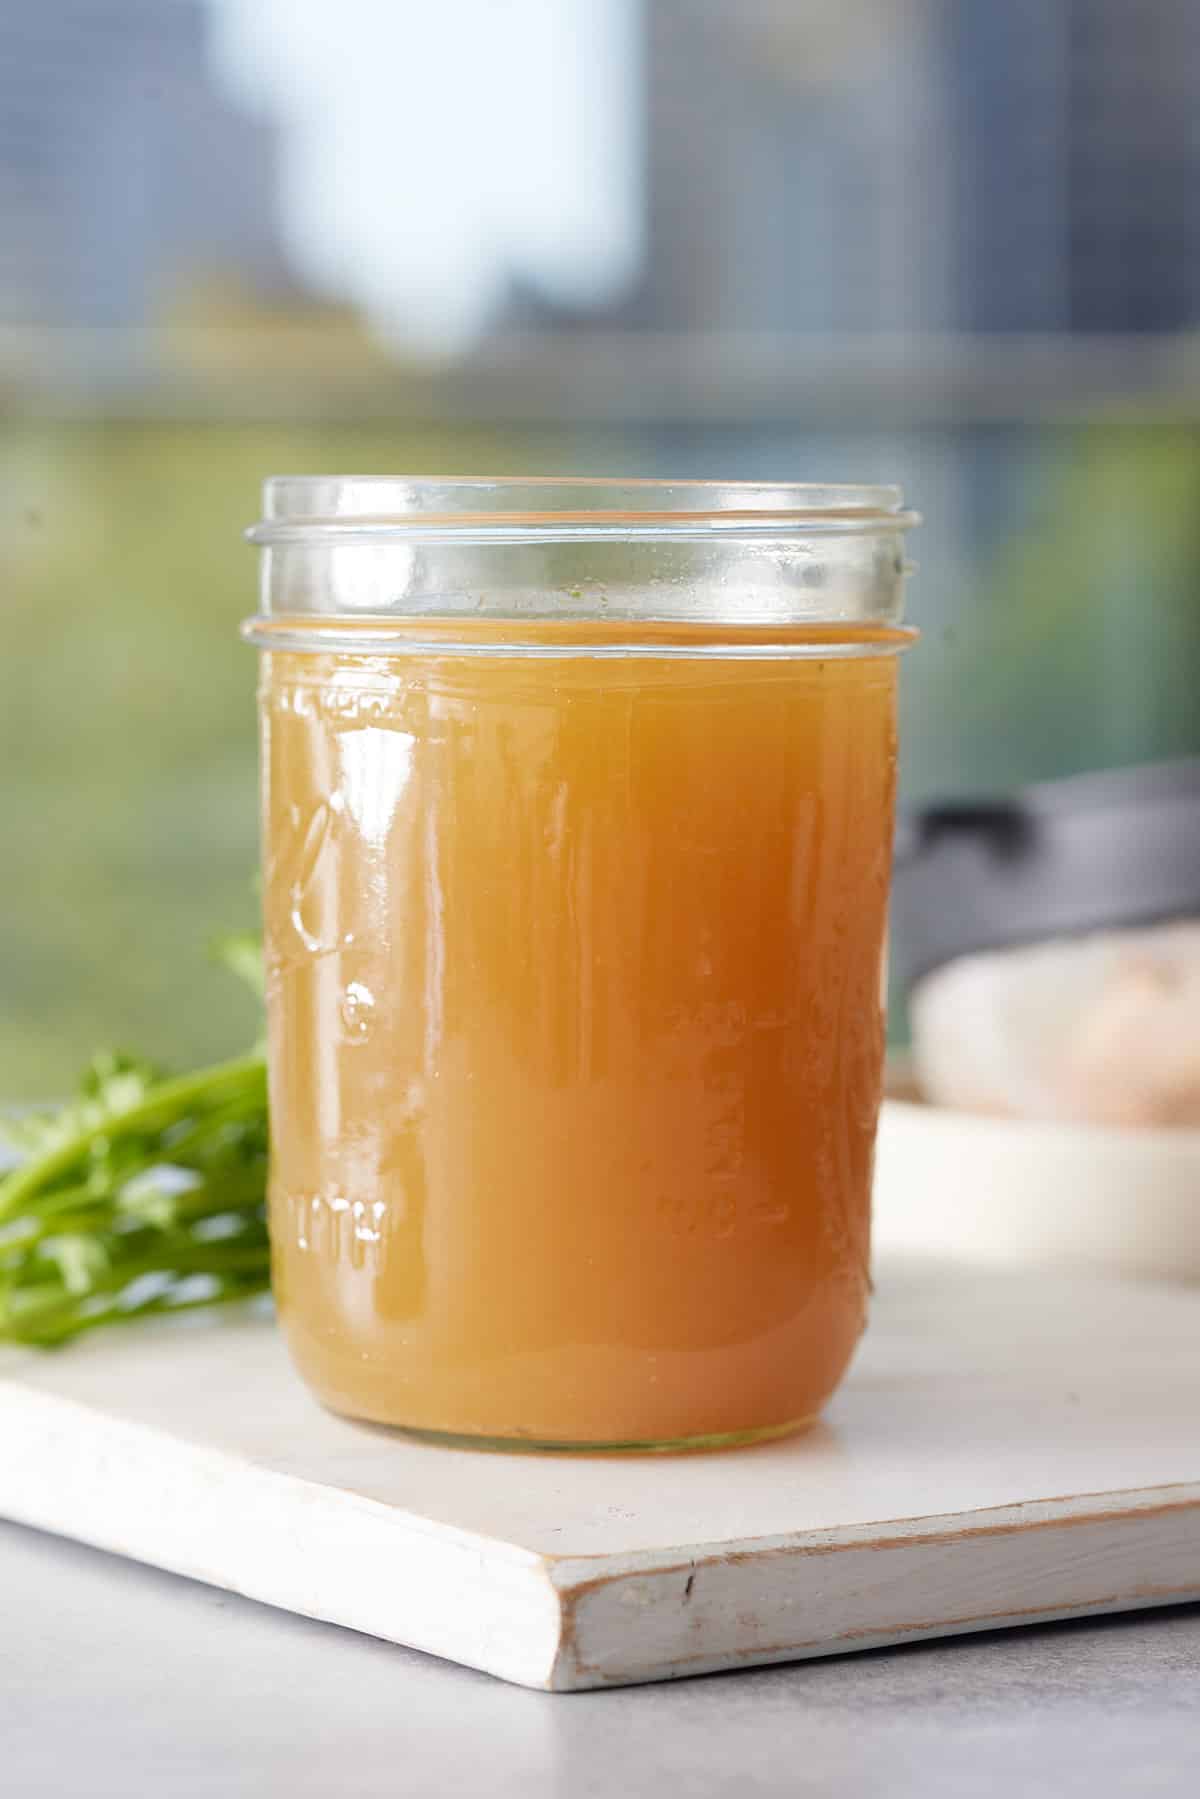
1010	1446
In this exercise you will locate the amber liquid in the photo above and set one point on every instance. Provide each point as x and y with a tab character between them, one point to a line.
574	981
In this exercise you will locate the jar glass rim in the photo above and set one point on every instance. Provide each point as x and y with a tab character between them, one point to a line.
514	508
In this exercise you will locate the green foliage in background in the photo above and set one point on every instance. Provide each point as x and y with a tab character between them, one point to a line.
1081	648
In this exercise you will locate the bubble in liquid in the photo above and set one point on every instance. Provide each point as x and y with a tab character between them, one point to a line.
357	1009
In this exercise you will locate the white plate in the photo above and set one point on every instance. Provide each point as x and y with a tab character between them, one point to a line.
1008	1191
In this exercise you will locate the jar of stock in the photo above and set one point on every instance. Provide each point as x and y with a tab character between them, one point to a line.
577	814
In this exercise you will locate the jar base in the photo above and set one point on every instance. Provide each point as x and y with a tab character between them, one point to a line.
691	1445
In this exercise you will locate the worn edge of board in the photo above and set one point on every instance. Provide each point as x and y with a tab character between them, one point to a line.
860	1587
344	1558
573	1622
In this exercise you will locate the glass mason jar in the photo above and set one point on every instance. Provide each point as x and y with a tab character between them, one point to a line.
578	822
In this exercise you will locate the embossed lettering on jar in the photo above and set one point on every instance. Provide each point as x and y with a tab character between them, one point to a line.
575	928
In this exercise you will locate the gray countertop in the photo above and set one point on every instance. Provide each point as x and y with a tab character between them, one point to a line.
117	1680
